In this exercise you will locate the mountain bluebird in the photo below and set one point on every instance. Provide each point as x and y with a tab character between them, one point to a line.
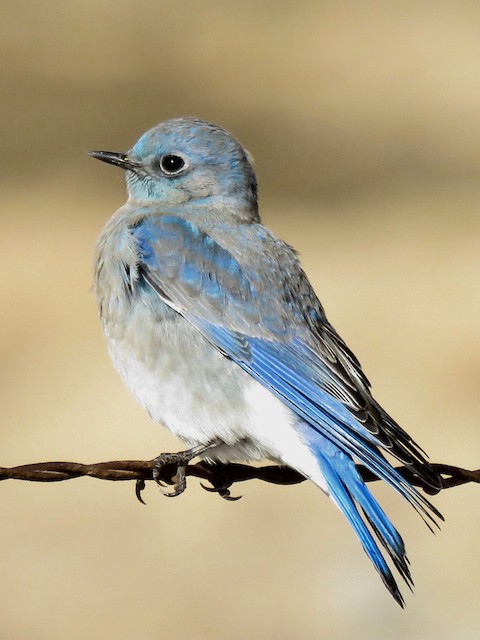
214	326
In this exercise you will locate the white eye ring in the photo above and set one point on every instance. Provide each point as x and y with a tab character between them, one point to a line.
171	164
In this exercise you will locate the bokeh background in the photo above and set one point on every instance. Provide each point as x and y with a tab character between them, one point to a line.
364	121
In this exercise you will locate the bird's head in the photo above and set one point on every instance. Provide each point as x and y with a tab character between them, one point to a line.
186	160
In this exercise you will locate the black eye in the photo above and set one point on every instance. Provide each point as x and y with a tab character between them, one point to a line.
171	164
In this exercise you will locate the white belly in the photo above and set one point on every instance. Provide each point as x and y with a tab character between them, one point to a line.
200	395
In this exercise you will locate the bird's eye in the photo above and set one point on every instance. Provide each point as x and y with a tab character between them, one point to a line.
171	164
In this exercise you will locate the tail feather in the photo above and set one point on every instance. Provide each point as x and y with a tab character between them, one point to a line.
385	532
372	526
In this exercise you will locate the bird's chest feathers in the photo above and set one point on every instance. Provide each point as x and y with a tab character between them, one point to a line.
175	373
166	363
116	267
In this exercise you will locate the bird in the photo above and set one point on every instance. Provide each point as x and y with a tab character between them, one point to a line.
214	326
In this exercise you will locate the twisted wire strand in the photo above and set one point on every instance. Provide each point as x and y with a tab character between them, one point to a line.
142	470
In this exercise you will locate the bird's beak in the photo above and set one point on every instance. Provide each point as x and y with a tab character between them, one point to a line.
113	157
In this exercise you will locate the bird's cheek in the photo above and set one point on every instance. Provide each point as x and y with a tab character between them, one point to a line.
150	191
203	186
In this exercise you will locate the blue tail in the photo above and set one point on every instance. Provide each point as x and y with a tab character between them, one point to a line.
350	494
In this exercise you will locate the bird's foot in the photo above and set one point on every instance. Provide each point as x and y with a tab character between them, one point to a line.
221	480
178	462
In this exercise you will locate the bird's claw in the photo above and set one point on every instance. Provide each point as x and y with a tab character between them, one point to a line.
179	461
180	483
221	482
139	487
223	492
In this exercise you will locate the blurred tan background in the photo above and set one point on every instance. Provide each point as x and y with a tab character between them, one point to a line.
364	121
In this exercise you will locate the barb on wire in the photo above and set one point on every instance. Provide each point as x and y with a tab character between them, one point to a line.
220	476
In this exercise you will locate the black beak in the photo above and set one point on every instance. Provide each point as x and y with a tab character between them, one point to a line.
112	157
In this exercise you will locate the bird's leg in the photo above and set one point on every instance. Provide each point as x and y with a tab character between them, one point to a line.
180	460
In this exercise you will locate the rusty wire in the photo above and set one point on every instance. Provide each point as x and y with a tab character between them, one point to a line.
220	476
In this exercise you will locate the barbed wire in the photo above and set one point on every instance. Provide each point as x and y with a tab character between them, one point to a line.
220	476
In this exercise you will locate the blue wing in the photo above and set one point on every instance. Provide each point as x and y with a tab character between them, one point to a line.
255	305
